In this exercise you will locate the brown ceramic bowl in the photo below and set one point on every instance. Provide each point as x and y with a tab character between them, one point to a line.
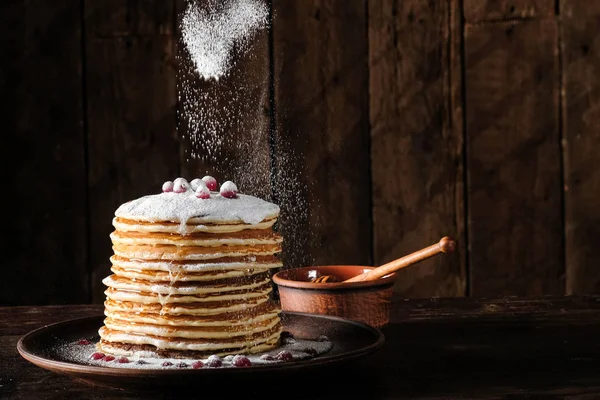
367	302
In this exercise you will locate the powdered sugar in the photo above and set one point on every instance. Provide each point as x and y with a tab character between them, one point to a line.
211	33
248	262
222	115
181	207
300	349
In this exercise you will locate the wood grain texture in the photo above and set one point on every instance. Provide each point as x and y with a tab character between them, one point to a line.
581	133
494	10
224	124
515	223
132	140
321	138
131	17
44	241
416	133
492	348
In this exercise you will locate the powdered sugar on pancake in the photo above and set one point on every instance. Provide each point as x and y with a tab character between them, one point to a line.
180	207
168	266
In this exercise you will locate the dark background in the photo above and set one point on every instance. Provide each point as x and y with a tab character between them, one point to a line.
394	122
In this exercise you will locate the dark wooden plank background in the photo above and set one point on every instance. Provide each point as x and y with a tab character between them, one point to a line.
513	155
416	140
379	126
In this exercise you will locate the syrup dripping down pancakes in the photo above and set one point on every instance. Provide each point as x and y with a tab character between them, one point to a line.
191	274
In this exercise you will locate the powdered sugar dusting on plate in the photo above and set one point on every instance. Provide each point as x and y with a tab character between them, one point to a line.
297	349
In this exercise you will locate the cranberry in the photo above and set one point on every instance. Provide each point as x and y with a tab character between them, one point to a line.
195	182
167	186
167	364
267	357
214	361
229	190
182	365
83	342
310	351
284	355
109	358
97	356
123	360
180	185
202	191
241	361
197	364
211	183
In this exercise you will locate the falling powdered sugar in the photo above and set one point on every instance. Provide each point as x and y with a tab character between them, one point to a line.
210	36
223	91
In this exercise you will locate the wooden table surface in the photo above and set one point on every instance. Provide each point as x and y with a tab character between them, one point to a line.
435	349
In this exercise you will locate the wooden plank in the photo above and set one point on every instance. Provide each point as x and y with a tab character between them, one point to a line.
553	309
224	124
514	175
322	180
43	147
126	18
416	150
132	140
19	320
581	116
490	349
494	10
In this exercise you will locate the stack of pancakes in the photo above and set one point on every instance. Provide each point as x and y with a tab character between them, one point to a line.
192	277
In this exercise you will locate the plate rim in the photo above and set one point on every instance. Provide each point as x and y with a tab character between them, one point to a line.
69	368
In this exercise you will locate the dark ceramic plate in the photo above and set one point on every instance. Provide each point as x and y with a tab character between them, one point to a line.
351	341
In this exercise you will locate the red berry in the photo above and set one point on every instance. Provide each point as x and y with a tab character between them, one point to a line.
97	356
197	364
83	342
202	191
229	190
214	361
123	360
180	185
267	357
195	182
211	183
284	355
167	364
109	358
241	361
167	186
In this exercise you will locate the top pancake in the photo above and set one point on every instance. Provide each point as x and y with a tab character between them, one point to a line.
185	208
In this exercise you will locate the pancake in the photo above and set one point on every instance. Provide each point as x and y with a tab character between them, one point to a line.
192	276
